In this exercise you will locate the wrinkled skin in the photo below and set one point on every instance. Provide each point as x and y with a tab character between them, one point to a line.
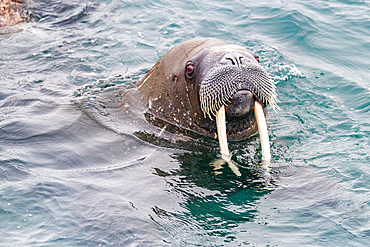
171	88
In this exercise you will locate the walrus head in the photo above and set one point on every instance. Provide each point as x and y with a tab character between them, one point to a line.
230	76
191	82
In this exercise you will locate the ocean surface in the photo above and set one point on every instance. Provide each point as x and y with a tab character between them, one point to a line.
74	172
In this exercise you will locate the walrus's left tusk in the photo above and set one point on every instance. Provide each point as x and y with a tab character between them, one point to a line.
222	138
262	129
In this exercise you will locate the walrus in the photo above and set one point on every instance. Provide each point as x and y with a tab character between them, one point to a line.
10	12
206	78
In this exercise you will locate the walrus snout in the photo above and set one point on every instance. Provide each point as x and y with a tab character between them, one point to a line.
241	104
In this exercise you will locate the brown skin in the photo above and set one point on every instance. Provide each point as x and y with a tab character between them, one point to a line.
10	12
173	99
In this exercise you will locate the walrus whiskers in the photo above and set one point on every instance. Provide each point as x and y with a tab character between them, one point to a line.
224	81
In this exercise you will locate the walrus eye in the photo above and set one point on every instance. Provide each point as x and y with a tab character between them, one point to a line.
257	58
189	70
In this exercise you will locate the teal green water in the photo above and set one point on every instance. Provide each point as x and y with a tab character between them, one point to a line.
73	174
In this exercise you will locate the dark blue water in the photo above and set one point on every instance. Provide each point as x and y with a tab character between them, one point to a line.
72	173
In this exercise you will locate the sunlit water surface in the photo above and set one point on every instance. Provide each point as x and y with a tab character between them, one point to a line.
74	174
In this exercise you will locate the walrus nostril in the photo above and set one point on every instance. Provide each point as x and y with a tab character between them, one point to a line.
235	59
241	104
232	60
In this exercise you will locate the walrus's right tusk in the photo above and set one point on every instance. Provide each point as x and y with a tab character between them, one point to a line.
221	132
262	129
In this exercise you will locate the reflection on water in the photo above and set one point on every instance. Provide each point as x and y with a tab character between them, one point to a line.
213	204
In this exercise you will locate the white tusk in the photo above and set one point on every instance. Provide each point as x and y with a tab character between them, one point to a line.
221	132
222	138
262	129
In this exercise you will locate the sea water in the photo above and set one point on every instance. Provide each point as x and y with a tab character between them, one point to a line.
70	175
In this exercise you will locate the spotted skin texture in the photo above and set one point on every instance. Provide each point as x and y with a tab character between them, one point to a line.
10	12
